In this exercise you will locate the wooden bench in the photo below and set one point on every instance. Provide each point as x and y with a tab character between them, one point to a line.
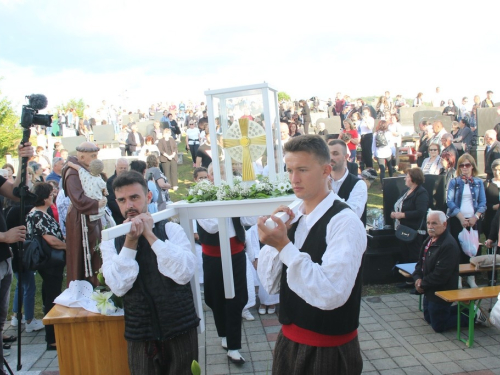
464	269
466	298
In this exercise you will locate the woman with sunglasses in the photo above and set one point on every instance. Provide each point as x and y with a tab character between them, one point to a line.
432	164
466	200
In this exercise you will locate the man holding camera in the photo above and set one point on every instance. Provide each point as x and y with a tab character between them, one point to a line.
16	234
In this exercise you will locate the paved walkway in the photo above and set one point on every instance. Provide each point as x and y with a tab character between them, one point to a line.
393	335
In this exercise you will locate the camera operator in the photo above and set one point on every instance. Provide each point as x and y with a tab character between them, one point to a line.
16	234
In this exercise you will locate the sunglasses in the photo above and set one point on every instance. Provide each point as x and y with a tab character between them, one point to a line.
465	165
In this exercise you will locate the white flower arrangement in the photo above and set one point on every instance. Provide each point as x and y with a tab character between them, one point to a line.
205	191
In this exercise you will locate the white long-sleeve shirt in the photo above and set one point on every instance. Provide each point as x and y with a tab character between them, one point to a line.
212	225
174	256
326	286
357	198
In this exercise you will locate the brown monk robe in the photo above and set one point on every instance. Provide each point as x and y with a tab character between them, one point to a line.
81	204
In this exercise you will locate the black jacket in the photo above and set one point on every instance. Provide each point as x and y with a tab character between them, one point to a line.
113	206
441	266
415	208
490	156
131	143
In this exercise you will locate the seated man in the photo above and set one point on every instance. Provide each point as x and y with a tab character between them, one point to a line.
437	269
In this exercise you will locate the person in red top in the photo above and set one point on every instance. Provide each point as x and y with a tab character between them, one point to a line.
351	137
55	191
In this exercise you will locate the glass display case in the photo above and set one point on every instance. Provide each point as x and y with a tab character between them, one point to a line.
244	131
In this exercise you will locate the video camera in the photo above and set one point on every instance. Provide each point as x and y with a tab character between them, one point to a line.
30	116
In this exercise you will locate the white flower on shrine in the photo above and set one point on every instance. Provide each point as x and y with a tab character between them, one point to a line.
245	142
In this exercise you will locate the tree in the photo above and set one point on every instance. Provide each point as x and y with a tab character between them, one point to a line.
79	105
283	96
11	133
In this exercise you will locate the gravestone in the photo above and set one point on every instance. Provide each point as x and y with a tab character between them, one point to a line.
406	113
487	118
71	143
332	124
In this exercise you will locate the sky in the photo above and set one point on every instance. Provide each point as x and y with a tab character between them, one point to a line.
135	53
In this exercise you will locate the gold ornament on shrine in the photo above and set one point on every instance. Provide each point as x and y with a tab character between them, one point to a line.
245	142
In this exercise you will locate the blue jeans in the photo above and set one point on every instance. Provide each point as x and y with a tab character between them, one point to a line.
5	281
442	316
352	159
29	291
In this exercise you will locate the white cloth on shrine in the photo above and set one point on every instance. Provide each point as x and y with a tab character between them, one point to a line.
79	294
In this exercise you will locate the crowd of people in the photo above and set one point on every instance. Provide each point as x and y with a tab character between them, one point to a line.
310	264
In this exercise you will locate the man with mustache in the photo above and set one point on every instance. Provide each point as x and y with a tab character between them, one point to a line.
437	269
151	268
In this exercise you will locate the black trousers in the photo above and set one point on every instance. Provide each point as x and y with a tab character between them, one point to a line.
366	151
291	358
51	288
169	357
227	312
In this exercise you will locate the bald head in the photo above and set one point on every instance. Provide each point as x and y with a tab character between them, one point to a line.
121	166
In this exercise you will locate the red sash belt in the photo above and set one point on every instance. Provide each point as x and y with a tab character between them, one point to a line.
214	251
306	337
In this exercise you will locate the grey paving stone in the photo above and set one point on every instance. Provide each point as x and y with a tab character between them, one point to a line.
214	359
367	320
394	371
491	362
258	347
381	335
398	324
416	370
257	338
255	331
373	327
384	364
375	354
397	351
369	345
367	366
417	339
408	331
400	309
436	337
436	357
471	364
455	355
365	336
261	356
448	367
272	329
246	368
449	345
263	365
392	317
388	343
406	361
220	369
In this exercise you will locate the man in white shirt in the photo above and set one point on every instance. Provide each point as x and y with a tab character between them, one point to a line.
348	187
314	260
151	268
439	131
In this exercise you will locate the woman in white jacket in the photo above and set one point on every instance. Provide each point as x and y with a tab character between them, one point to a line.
381	148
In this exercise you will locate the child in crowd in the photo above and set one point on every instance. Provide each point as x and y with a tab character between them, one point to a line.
93	185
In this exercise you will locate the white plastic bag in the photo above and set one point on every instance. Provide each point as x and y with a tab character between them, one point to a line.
469	240
495	314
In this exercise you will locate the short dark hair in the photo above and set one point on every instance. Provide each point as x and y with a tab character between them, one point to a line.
202	120
416	175
130	178
198	170
340	142
138	166
42	191
310	143
152	161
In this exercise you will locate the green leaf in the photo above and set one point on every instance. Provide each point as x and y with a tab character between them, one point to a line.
195	368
